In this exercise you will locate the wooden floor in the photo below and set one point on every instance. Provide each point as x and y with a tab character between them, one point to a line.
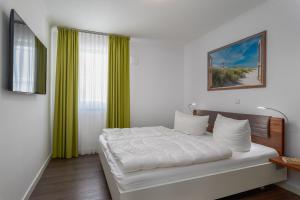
73	179
83	179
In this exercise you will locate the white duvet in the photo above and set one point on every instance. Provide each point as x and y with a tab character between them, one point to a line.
130	133
157	147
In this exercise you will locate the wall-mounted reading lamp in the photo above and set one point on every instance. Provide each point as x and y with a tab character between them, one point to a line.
190	106
273	109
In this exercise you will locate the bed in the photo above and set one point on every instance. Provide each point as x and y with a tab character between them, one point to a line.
211	180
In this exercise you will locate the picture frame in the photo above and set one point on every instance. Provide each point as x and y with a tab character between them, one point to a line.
239	65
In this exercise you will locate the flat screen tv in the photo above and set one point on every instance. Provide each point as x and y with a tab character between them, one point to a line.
27	59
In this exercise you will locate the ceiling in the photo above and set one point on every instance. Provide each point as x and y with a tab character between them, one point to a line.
176	20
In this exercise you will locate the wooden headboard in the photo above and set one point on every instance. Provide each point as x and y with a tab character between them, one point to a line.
266	130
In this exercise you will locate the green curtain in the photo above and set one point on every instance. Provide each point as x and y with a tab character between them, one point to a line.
118	106
65	128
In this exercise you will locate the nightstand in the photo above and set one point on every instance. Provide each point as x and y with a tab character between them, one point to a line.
278	161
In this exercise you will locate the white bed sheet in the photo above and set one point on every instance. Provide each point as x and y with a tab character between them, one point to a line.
258	154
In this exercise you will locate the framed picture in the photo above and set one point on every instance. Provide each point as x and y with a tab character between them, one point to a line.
241	64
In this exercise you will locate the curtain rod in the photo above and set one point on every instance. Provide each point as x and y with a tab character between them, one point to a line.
93	32
88	31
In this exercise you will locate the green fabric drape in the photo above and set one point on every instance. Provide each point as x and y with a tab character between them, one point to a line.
65	127
118	104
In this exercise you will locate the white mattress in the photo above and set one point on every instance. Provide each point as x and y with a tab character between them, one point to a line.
258	154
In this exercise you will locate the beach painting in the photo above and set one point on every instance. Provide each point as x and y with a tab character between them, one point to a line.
238	65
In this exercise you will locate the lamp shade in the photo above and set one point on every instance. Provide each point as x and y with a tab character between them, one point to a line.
191	105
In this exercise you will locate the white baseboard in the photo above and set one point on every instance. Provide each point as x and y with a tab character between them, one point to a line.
36	179
290	187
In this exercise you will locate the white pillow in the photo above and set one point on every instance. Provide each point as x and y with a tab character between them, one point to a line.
236	134
190	124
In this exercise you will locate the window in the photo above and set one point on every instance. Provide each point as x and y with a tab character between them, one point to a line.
93	71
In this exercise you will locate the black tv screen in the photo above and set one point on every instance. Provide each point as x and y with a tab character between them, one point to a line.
28	59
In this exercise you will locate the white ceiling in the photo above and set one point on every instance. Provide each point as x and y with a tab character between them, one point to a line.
179	20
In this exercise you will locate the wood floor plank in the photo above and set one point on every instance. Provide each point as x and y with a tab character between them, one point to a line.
83	179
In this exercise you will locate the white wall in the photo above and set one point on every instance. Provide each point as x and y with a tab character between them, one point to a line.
24	119
281	20
156	82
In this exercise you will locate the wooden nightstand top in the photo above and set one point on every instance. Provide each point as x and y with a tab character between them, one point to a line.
278	160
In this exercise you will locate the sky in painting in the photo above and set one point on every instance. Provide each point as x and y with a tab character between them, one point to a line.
243	54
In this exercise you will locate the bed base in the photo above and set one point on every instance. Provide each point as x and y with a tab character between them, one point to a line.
208	187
